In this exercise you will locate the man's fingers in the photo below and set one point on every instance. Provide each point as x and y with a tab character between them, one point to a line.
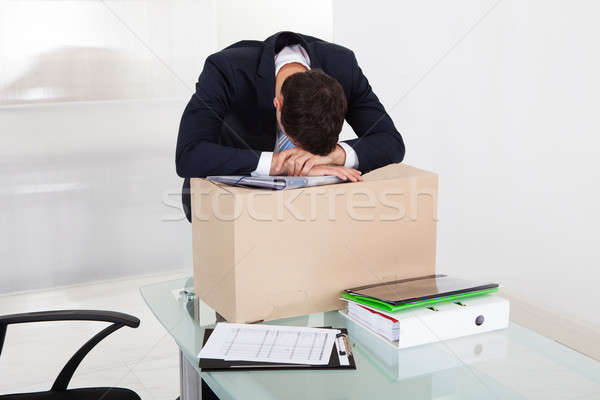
345	174
292	165
280	161
355	174
289	164
296	163
339	173
295	159
283	156
299	163
308	165
350	173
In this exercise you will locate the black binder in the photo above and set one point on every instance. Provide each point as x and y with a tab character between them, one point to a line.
211	364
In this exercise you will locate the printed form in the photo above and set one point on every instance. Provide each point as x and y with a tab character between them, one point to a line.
270	343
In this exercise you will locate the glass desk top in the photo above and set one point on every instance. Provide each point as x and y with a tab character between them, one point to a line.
513	363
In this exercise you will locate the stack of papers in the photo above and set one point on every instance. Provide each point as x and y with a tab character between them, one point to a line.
377	321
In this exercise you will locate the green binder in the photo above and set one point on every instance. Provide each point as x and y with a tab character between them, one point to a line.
388	307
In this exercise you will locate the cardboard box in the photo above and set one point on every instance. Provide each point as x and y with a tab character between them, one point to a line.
262	254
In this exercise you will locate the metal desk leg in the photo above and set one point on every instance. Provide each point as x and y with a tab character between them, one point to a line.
190	382
191	385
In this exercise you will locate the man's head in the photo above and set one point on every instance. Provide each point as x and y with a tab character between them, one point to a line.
311	110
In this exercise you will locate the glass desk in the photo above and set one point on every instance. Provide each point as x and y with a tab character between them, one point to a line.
514	363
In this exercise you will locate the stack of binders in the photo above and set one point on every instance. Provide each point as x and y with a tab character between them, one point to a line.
427	309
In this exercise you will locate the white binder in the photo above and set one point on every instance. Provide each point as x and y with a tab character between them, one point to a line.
446	320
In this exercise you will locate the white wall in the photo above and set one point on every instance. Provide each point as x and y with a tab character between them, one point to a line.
500	99
91	94
259	19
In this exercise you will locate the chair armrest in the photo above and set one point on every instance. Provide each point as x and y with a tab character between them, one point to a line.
71	315
117	319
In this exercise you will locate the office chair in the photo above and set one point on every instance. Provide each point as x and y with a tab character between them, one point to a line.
59	389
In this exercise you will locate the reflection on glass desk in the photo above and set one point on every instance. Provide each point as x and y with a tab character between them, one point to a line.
514	363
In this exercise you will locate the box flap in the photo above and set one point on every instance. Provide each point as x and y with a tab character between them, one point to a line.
394	171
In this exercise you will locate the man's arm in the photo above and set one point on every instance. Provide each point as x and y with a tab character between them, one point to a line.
378	143
198	153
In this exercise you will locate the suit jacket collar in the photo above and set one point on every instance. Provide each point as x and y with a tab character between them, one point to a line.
274	44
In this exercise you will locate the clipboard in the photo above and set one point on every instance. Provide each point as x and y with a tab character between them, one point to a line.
211	364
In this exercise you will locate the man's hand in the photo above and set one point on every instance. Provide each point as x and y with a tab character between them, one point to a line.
297	161
344	173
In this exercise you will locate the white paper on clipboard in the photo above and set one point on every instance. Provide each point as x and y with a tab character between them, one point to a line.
270	343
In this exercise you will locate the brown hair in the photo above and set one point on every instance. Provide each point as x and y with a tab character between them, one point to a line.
313	111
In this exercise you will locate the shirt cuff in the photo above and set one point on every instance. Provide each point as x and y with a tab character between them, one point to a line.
264	164
351	157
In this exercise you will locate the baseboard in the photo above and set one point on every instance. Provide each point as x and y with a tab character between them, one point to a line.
182	272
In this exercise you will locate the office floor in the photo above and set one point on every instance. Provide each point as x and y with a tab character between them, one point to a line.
143	359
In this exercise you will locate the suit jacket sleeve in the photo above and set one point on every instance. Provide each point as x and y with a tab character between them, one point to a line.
198	152
378	143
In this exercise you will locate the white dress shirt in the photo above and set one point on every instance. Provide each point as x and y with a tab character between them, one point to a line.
296	54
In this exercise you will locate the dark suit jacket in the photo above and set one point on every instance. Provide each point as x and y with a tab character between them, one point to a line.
231	118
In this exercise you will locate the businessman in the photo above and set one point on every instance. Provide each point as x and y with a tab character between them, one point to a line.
277	108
